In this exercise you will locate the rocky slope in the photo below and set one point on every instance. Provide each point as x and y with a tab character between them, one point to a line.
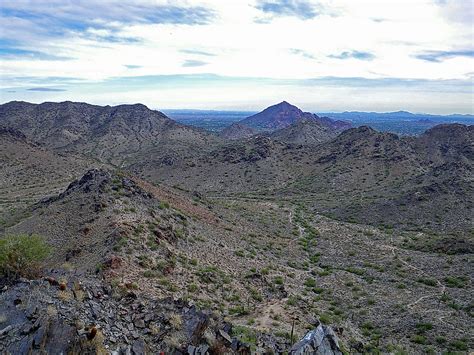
284	114
118	253
187	242
365	175
155	269
360	175
114	134
305	131
237	131
29	172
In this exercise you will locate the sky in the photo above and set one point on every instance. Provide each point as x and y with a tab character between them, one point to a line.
328	55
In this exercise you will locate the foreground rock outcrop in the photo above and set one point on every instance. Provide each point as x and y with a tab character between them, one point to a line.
90	317
321	340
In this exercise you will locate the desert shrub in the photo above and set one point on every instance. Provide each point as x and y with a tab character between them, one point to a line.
163	205
459	345
423	327
278	280
22	255
193	288
418	339
246	335
427	282
238	310
459	282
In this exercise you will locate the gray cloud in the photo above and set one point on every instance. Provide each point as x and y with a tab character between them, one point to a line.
197	52
302	9
457	11
302	53
439	56
35	24
78	15
353	55
45	89
193	63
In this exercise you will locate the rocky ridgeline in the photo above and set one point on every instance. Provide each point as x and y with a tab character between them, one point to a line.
12	132
75	317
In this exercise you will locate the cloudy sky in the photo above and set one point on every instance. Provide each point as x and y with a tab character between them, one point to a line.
328	55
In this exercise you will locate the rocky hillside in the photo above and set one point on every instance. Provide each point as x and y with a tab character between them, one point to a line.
284	114
114	134
305	131
277	116
29	172
361	174
143	268
237	131
122	251
181	241
242	166
365	175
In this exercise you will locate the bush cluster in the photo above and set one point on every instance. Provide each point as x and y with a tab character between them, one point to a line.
22	256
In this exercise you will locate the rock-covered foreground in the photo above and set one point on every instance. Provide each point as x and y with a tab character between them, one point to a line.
53	316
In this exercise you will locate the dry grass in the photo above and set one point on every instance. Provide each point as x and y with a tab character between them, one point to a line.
176	321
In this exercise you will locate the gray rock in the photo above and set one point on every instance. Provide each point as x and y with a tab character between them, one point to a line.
320	341
198	350
6	330
139	347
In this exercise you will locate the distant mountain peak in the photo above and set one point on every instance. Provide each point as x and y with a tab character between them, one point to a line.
276	116
285	114
285	103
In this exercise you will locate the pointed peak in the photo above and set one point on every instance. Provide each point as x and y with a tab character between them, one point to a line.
284	104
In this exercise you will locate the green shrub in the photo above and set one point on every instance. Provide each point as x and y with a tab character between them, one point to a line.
278	280
22	255
459	282
310	283
238	311
459	345
427	282
423	327
163	205
325	318
418	339
193	288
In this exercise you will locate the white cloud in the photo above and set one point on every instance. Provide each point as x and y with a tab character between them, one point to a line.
391	32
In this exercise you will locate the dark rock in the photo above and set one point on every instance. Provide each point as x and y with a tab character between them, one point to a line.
139	323
240	347
139	347
198	350
321	340
195	323
225	336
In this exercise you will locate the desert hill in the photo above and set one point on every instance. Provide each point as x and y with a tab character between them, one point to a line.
284	114
305	131
114	134
30	172
168	238
158	269
237	131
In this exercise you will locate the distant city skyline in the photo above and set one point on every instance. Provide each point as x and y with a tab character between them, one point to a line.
339	55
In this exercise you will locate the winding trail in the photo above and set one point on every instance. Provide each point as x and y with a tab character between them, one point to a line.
300	230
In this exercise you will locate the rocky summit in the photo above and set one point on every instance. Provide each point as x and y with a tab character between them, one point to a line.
124	232
284	114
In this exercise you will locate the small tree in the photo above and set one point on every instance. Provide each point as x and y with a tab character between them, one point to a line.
22	255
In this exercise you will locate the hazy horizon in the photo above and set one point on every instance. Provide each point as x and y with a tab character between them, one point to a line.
249	111
323	56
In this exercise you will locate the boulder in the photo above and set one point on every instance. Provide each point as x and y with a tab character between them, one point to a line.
319	341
